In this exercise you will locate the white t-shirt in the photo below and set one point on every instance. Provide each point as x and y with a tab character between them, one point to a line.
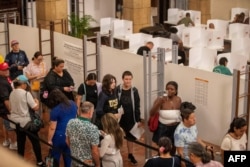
19	106
230	143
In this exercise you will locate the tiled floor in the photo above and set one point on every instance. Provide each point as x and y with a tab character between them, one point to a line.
139	151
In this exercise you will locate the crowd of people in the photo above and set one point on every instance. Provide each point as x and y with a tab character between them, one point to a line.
91	126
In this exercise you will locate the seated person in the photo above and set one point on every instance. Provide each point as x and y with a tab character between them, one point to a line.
200	157
222	67
148	47
187	132
211	26
186	20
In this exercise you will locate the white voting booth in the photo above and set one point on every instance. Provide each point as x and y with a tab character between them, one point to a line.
163	43
235	11
241	46
195	16
202	58
235	61
215	39
195	36
180	29
238	30
137	40
106	24
219	25
122	28
175	14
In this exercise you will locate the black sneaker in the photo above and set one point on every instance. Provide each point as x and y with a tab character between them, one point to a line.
132	159
41	164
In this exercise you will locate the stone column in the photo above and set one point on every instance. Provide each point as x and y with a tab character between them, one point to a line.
51	10
203	6
138	11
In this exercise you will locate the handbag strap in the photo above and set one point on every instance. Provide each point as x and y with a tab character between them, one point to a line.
173	162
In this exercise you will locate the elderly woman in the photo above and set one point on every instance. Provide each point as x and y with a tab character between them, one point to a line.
60	78
236	138
169	113
200	157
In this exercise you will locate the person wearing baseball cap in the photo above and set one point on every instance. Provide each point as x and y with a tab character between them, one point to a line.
5	89
16	59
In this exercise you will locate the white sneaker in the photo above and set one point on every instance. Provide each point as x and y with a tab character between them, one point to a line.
6	143
13	146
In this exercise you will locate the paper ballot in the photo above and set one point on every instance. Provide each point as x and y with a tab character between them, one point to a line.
137	131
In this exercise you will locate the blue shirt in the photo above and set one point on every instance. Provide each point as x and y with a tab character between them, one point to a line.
62	114
183	136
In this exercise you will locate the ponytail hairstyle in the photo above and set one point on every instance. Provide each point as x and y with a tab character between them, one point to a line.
165	145
56	62
186	109
199	151
237	123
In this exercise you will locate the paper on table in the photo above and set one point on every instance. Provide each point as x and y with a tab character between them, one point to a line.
137	131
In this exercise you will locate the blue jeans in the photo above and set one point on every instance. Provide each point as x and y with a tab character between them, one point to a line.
59	142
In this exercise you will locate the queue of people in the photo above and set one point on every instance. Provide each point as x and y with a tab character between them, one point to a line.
101	139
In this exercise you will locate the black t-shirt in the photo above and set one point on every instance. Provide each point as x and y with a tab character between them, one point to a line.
163	162
141	49
91	93
5	90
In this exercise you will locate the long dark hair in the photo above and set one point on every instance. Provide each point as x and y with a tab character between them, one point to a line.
56	97
106	82
237	123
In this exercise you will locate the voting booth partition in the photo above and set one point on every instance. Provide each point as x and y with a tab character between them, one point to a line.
241	46
238	30
175	14
122	28
106	25
219	25
210	92
236	61
137	40
195	37
202	58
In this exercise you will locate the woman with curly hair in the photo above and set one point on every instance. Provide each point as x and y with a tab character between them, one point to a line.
112	142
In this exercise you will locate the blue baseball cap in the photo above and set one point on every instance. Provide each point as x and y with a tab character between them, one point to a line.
23	79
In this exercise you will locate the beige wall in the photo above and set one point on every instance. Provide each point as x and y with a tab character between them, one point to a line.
221	9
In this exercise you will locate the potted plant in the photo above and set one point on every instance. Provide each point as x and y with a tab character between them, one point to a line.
80	26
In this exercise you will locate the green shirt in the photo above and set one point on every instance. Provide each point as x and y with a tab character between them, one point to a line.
186	21
222	70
